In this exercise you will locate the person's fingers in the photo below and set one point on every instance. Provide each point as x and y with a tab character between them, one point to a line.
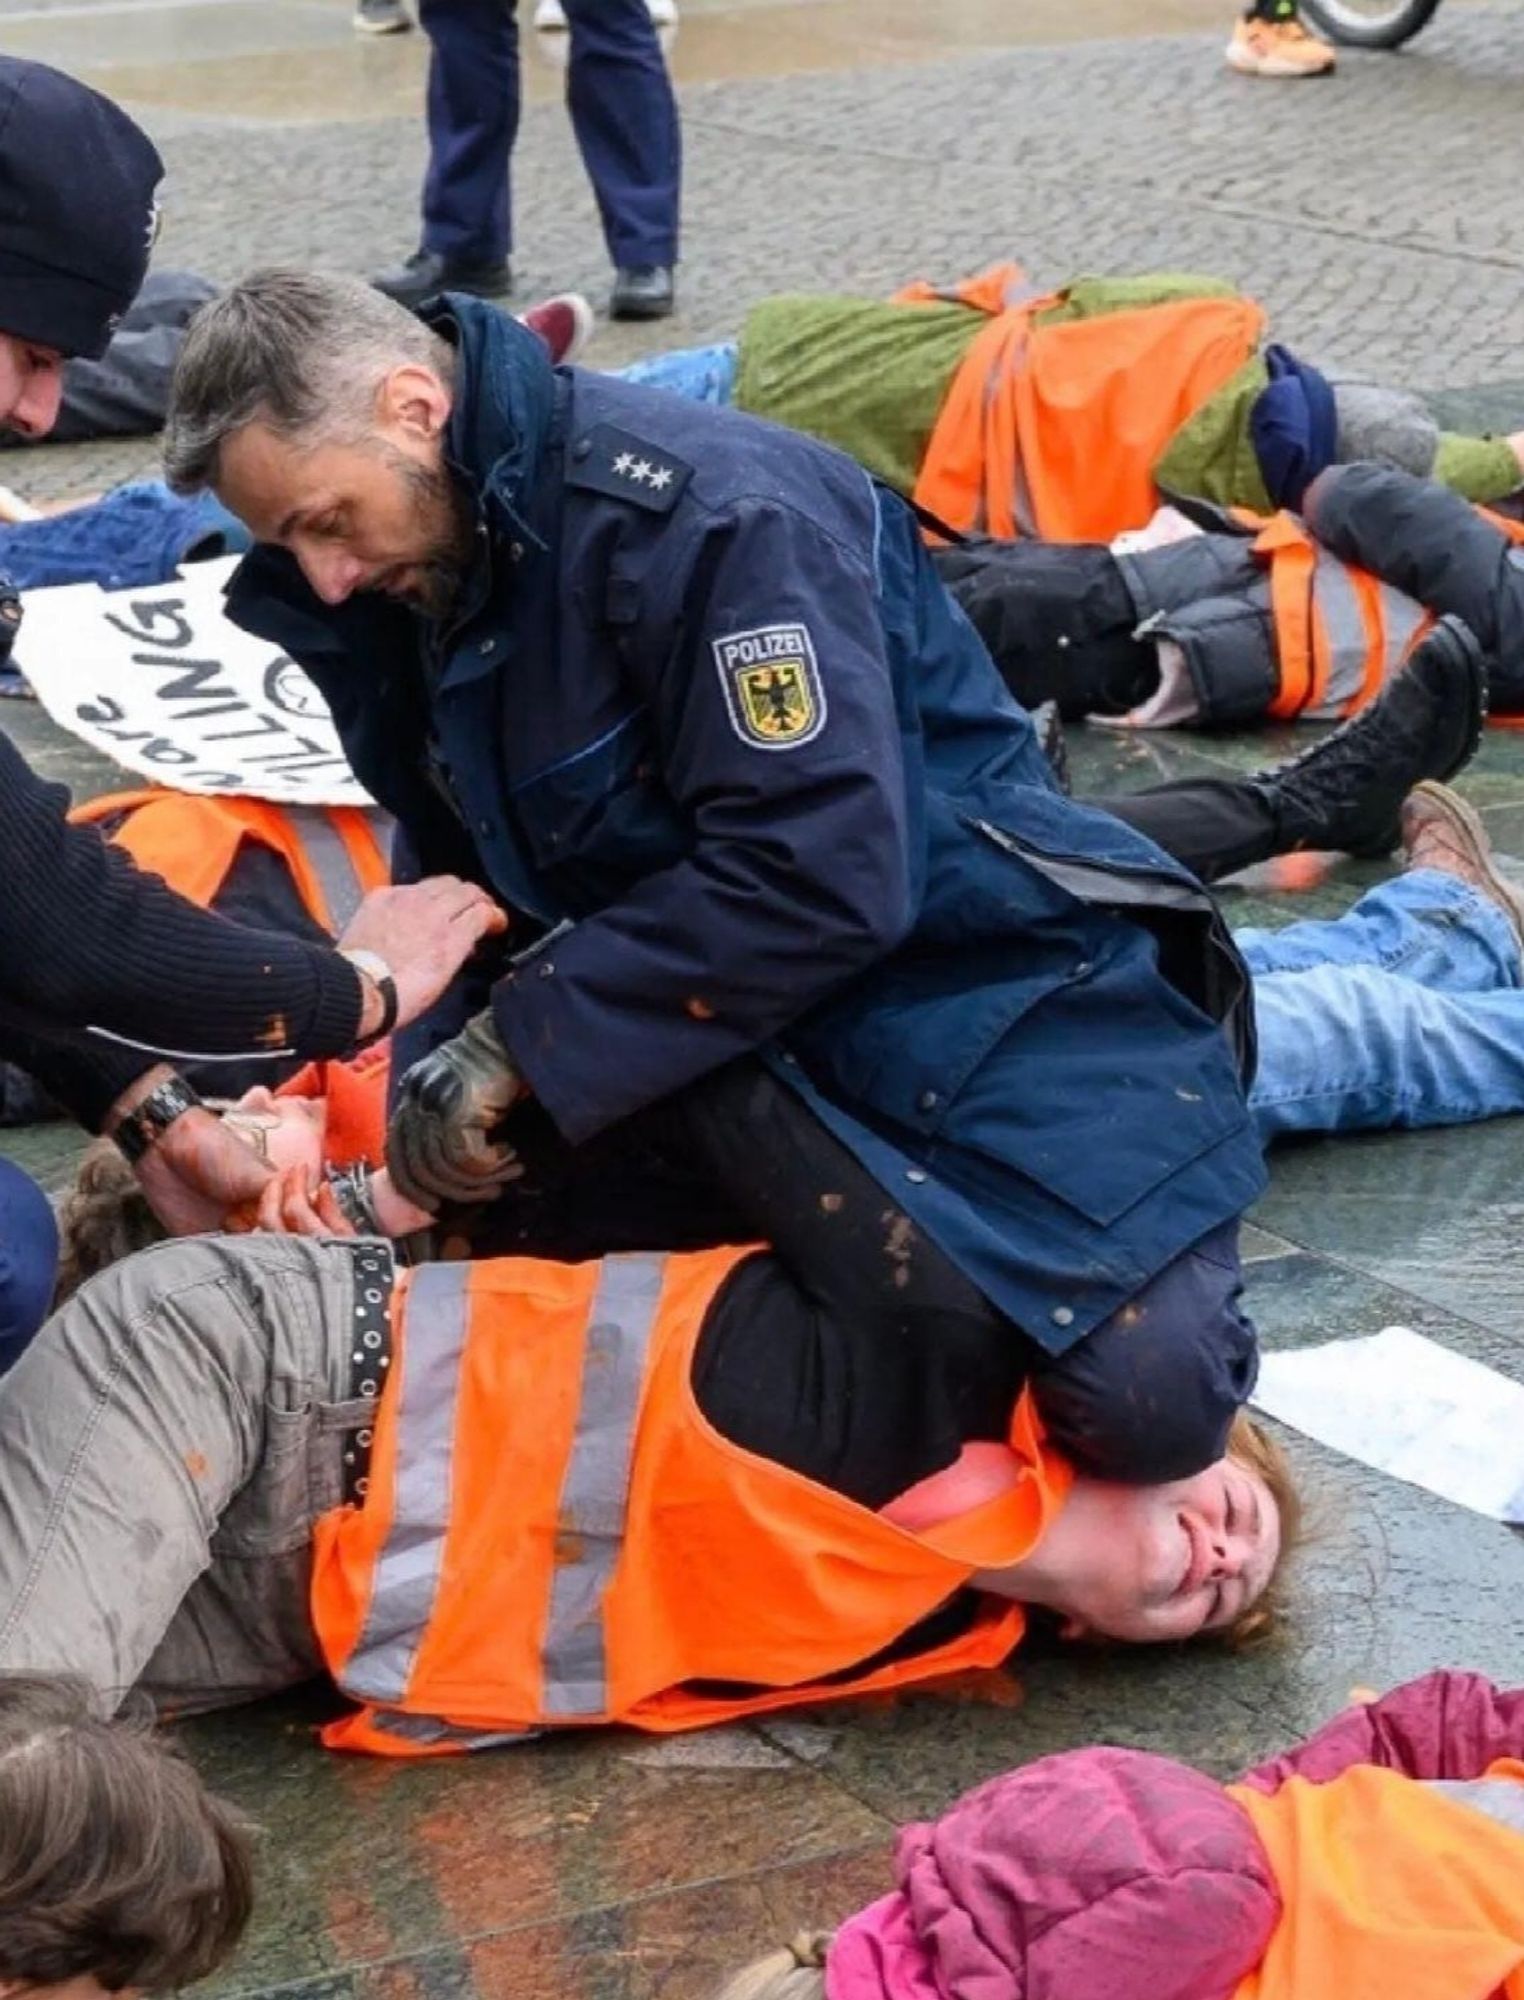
269	1215
482	915
297	1211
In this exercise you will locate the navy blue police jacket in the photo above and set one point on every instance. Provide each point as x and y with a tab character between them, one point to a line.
707	722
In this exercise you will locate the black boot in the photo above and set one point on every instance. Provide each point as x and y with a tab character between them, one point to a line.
1053	744
642	291
425	274
1345	794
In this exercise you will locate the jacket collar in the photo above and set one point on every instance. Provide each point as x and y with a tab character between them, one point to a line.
505	400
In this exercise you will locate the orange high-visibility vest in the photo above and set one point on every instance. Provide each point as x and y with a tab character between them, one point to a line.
1054	430
1390	1890
335	858
1514	530
333	852
1340	633
553	1535
355	1091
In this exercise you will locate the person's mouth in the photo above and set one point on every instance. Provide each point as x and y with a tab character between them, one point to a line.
1198	1557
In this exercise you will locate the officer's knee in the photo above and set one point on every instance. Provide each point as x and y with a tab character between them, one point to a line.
1151	1393
28	1260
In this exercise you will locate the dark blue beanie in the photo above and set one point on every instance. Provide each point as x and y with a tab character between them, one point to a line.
77	209
1293	426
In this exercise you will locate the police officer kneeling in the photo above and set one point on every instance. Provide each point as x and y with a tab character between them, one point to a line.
683	689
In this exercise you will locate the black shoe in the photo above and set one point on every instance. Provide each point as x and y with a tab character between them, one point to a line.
643	291
1053	744
426	273
1345	794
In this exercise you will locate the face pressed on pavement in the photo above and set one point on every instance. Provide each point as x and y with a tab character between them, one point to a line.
1184	1558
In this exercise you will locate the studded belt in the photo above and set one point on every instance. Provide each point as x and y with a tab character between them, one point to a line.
370	1355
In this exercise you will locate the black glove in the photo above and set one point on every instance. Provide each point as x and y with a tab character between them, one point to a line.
438	1146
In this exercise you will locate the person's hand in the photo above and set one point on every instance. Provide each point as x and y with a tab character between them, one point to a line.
438	1146
425	931
198	1171
294	1205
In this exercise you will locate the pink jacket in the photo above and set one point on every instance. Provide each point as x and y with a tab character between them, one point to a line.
1116	1875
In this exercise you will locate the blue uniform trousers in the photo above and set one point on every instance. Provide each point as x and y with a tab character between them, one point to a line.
622	109
28	1260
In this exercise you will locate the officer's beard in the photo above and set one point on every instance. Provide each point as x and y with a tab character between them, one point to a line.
445	516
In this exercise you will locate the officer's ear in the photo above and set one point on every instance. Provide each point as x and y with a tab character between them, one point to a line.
413	404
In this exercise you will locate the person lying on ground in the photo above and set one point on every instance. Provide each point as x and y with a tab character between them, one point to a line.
1306	619
1377	1860
120	1873
1343	794
1407	1011
1072	415
685	689
664	1490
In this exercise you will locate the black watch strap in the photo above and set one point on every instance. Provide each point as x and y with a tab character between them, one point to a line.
370	965
146	1123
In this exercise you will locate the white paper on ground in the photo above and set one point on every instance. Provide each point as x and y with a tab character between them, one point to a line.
161	680
1405	1405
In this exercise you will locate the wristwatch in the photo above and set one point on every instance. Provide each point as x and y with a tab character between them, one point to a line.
145	1125
375	968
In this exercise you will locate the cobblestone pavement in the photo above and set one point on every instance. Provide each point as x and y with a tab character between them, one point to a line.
1378	216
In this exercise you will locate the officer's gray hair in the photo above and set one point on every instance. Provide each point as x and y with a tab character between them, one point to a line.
304	352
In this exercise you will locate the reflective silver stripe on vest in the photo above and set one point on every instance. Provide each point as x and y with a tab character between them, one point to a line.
1401	617
429	1730
1501	1799
426	1386
596	1487
331	863
1335	598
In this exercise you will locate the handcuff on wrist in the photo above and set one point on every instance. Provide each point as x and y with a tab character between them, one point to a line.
372	966
351	1190
139	1130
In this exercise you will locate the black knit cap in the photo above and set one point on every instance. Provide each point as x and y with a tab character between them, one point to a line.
77	211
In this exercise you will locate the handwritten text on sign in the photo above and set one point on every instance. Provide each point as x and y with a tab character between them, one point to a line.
163	682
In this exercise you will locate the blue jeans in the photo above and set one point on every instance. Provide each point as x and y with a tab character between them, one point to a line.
1406	1011
702	374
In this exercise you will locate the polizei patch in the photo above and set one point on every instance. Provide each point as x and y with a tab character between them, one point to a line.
772	685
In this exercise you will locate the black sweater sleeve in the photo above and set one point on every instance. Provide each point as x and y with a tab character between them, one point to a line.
90	942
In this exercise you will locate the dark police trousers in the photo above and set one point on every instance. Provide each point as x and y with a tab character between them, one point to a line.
868	1359
622	109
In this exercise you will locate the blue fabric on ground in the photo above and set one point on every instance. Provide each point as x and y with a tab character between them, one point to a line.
134	535
702	374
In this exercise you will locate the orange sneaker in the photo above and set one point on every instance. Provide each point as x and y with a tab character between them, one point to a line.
1278	48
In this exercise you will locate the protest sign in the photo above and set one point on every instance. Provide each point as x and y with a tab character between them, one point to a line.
161	681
